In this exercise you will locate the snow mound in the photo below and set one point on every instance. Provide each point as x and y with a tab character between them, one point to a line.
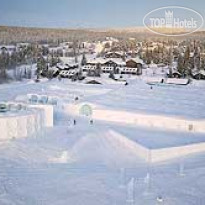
102	148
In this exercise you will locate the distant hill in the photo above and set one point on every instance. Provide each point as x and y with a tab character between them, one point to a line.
22	34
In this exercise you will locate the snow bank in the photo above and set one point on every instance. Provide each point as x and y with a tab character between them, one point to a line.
153	121
176	152
157	155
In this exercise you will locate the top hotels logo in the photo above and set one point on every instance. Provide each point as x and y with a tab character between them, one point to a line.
173	21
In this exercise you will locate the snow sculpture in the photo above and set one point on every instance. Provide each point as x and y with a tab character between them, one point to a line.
86	110
43	99
52	101
130	192
32	98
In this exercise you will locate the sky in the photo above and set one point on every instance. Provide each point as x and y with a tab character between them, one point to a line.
85	13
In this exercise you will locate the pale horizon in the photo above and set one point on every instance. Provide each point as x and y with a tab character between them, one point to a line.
84	14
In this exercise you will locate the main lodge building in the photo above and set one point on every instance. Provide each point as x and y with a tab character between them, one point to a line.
115	62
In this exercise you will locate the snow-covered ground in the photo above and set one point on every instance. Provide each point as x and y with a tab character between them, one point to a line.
86	164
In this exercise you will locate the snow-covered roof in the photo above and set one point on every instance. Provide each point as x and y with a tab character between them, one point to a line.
103	80
118	61
60	65
177	81
22	44
54	48
96	61
8	46
116	52
54	69
153	80
197	72
153	65
72	64
192	54
136	60
174	71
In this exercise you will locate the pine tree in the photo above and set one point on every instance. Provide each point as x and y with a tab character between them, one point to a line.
186	61
202	64
4	62
180	65
41	67
84	60
170	62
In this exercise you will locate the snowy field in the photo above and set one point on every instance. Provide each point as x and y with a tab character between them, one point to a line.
86	164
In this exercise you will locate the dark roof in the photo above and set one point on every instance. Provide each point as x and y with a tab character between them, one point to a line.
93	82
